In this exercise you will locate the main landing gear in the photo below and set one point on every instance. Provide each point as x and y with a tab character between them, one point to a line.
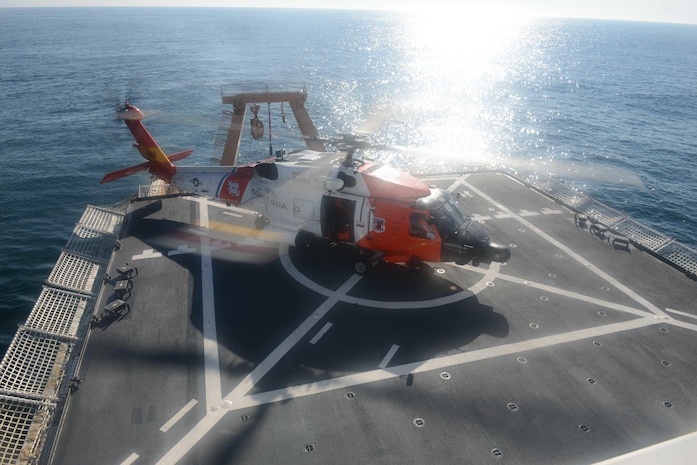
363	259
417	267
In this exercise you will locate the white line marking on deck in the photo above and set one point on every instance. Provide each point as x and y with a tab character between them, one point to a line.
614	282
388	356
179	415
528	213
321	333
489	276
233	399
439	363
549	211
678	312
131	459
680	450
573	295
182	249
451	188
239	398
147	253
210	334
295	337
448	177
683	324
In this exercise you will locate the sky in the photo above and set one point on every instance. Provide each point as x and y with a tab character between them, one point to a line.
671	11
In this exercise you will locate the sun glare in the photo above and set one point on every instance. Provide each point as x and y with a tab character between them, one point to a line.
457	58
468	38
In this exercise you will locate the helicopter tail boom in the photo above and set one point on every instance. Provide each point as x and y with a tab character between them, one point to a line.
158	163
164	172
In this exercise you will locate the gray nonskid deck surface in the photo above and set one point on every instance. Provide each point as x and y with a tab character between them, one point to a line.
573	352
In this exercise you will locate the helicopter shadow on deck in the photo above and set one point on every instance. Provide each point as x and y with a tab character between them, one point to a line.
272	304
152	225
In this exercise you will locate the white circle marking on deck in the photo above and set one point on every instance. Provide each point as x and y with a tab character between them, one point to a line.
479	286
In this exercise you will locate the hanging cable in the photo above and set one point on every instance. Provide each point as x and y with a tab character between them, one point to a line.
270	146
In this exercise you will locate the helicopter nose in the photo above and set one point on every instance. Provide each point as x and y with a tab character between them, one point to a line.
476	236
476	245
470	243
499	253
487	251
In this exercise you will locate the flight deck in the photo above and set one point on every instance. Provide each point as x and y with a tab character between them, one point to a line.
210	345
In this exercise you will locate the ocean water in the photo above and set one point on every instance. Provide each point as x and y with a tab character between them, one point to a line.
609	106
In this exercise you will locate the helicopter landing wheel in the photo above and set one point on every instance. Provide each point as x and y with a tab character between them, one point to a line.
365	260
361	267
260	222
417	267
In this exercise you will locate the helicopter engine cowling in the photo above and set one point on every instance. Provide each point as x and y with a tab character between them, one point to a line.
331	184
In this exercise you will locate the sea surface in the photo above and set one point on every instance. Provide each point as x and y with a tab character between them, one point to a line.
609	106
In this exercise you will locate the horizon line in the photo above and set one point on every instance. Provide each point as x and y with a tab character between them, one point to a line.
332	8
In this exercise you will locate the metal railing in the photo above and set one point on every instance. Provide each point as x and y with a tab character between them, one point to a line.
643	237
40	361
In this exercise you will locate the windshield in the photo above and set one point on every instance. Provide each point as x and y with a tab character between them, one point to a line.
448	218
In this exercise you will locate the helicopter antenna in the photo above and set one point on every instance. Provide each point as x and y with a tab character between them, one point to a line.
348	161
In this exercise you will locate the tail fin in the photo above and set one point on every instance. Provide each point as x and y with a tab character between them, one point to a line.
158	163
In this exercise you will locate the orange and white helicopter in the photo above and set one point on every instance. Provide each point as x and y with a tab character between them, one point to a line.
330	198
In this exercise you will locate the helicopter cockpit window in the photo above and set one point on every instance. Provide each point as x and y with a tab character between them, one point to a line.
419	227
448	218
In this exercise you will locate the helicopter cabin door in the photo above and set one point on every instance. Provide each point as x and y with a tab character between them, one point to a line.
337	218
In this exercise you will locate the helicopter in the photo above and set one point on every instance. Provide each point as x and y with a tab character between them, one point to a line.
331	199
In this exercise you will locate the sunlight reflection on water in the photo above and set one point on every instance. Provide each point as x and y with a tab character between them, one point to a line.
455	105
